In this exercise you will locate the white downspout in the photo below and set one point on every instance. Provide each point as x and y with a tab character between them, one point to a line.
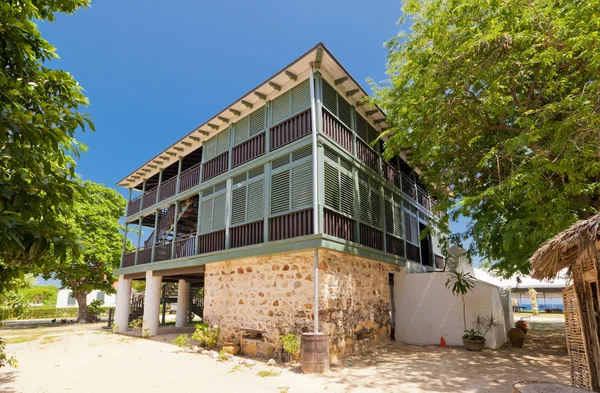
313	113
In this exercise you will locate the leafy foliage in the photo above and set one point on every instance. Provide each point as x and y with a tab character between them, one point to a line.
497	102
207	336
38	120
137	324
182	341
40	294
473	334
291	345
94	218
460	283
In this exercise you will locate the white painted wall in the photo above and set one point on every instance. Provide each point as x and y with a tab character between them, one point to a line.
62	299
426	311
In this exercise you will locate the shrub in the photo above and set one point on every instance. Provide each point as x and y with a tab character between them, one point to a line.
95	308
206	335
291	343
182	341
137	324
44	312
45	294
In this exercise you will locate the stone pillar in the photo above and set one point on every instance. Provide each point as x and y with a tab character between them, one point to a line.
151	305
123	298
183	297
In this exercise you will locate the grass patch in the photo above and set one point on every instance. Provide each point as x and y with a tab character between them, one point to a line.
283	389
237	367
25	338
268	373
49	340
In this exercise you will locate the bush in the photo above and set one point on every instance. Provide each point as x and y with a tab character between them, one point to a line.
44	312
291	345
206	335
45	294
182	341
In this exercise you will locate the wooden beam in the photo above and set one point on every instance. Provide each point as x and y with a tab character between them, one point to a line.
203	132
318	58
146	170
369	113
223	119
214	127
152	166
341	80
260	95
159	162
188	144
194	138
180	271
237	113
163	157
171	153
247	104
378	121
274	86
352	92
178	148
293	77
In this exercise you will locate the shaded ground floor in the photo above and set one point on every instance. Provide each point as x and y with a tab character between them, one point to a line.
74	358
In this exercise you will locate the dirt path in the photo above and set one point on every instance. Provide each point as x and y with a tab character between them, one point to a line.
86	359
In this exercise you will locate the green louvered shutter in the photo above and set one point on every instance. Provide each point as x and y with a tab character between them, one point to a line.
398	221
332	192
281	108
344	112
206	216
301	97
375	206
210	148
302	186
223	141
219	205
361	127
258	121
238	205
364	204
371	134
346	193
330	98
280	192
389	215
256	203
241	132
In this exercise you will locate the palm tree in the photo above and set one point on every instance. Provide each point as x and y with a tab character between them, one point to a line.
460	283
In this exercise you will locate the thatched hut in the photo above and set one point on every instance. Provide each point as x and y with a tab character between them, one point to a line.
578	250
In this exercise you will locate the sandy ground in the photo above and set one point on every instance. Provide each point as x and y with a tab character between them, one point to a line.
87	359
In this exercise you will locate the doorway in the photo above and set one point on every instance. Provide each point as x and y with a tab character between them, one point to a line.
425	246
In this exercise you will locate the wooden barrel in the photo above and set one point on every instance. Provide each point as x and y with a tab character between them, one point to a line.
314	353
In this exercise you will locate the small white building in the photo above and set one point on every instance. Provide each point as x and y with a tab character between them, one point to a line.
65	298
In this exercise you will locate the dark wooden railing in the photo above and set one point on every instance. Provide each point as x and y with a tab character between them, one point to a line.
290	130
248	150
439	262
247	234
216	166
286	226
390	173
134	206
144	255
423	199
167	188
334	129
338	225
189	178
367	155
149	198
371	237
162	252
413	253
129	259
185	246
409	187
214	241
394	245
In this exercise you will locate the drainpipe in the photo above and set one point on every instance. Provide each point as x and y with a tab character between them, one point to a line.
313	113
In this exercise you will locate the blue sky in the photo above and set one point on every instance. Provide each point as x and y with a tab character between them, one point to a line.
154	70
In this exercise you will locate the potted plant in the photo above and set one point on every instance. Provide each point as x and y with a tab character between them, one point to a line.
473	340
461	283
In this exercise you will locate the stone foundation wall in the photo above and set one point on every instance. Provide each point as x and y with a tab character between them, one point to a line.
275	294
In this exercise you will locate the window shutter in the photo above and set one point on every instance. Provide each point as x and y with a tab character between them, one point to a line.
344	112
346	193
281	108
371	133
398	221
375	207
210	148
361	127
330	98
280	192
389	216
302	152
223	141
219	212
302	186
280	161
332	193
411	228
365	205
258	121
206	216
301	97
241	130
238	205
256	202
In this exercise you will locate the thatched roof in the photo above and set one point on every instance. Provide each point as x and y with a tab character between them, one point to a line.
562	250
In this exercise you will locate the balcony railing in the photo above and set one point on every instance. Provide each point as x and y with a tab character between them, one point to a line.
129	259
390	173
215	166
409	187
149	198
338	225
337	131
144	255
371	237
185	246
248	150
286	226
189	178
247	234
367	155
162	252
290	130
167	188
134	205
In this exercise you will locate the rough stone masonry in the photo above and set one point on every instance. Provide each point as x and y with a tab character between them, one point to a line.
274	294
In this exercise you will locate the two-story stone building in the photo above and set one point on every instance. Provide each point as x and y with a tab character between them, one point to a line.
280	196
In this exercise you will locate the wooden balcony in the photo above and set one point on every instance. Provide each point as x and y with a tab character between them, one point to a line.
248	150
189	178
167	188
215	166
338	225
247	234
334	129
371	237
367	155
290	130
294	224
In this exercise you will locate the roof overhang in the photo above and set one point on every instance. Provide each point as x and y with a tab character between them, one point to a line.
279	83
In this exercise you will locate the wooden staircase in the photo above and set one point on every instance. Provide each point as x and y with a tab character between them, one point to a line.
136	306
186	223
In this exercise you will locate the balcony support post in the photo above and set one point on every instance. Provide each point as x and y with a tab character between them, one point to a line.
123	299
228	214
124	243
160	173
177	185
155	234
382	213
139	240
142	198
183	297
198	223
176	218
267	202
151	304
315	166
268	110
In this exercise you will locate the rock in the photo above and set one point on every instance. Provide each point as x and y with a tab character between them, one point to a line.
271	362
250	363
241	361
228	356
205	352
214	354
194	348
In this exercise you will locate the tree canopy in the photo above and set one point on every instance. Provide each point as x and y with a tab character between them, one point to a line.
38	119
497	102
94	218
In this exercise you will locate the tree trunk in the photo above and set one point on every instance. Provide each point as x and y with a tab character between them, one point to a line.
81	297
464	311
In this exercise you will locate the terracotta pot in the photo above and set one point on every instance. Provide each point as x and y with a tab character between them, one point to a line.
474	345
516	337
231	347
523	325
